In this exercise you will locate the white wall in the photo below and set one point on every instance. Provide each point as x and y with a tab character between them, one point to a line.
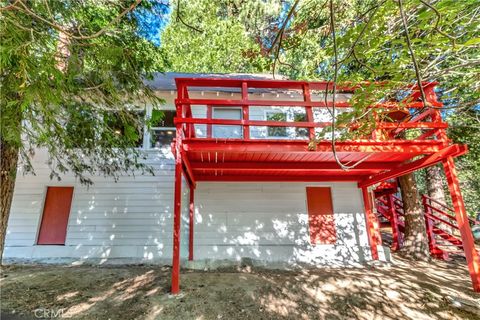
131	218
269	221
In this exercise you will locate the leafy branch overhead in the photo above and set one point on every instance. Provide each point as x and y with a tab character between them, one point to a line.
72	78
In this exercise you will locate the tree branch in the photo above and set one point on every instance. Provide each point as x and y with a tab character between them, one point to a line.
179	18
439	18
412	54
59	28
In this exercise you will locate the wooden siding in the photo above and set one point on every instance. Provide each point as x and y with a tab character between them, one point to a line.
132	219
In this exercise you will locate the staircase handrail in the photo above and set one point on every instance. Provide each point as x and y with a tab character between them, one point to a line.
443	213
432	217
438	202
472	221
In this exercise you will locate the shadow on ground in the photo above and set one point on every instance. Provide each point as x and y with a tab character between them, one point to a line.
404	291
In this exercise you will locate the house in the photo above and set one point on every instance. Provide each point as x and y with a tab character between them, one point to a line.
237	176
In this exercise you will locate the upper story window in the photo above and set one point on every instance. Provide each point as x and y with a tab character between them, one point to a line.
227	131
276	116
128	125
286	116
162	129
300	116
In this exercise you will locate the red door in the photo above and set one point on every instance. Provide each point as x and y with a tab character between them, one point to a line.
53	228
320	215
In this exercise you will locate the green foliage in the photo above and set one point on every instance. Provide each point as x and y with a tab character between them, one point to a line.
71	73
465	129
225	40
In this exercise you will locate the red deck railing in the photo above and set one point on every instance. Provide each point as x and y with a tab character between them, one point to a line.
393	118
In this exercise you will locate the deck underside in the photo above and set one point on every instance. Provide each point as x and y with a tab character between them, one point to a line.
296	160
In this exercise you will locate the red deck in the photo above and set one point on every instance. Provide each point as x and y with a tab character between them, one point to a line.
253	159
384	152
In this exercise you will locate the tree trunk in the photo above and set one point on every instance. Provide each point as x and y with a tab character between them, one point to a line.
433	178
415	245
8	171
434	183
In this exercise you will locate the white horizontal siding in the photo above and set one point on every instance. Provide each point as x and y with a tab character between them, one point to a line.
129	218
133	219
269	221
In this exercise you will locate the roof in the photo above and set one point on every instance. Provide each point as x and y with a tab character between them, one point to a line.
166	81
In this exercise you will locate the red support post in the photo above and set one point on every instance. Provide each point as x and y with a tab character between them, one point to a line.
372	224
429	228
177	204
191	222
471	254
245	111
209	117
308	110
396	238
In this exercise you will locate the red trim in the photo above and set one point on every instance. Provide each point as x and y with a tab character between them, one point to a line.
209	117
315	104
280	84
188	170
177	203
308	109
294	166
191	223
412	148
282	178
453	150
372	224
245	111
396	240
471	254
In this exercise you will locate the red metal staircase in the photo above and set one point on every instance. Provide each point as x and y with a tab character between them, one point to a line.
441	226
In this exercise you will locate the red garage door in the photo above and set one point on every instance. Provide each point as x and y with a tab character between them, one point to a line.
320	215
53	228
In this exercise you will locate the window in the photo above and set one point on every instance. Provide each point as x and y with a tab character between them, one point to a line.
162	128
227	131
276	116
300	117
56	210
126	126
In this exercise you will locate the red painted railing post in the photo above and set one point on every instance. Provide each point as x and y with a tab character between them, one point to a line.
245	111
209	117
308	110
471	254
191	222
177	203
429	227
372	224
396	241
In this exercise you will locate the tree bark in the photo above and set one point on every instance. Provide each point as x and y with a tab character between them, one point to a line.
433	178
8	171
415	245
434	183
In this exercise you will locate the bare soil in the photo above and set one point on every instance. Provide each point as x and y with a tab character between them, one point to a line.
406	290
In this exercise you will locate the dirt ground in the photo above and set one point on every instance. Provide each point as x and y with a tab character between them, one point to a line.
403	291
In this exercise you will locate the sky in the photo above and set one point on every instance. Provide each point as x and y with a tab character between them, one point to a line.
152	19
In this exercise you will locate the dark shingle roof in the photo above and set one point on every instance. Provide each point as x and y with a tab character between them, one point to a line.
166	81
